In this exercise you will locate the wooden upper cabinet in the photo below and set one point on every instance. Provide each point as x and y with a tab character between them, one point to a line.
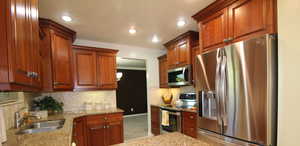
179	49
61	62
172	56
213	30
94	68
163	71
19	49
228	21
85	71
183	53
107	70
249	18
56	49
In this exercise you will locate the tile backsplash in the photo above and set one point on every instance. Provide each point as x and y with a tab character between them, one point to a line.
74	101
22	100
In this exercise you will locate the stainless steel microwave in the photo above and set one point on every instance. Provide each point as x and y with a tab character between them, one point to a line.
180	76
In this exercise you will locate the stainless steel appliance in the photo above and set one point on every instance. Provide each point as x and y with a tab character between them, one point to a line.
174	120
180	76
236	87
187	101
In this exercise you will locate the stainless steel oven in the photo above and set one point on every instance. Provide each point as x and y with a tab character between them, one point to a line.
174	120
180	76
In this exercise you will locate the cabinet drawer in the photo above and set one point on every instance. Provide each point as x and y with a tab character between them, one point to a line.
115	117
190	116
95	120
190	131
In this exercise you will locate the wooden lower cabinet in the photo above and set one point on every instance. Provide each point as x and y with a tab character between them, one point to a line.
99	130
79	132
189	124
155	120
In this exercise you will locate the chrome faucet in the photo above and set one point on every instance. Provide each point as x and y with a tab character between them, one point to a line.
19	121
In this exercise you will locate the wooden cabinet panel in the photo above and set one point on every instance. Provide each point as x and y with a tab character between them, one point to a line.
115	132
163	71
228	21
184	53
19	67
62	70
247	17
155	120
85	70
104	129
56	51
179	49
36	67
96	135
213	30
79	132
172	56
107	70
189	124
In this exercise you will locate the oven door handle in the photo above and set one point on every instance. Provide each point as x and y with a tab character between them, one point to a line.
173	113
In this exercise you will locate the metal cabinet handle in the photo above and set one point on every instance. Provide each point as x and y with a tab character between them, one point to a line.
225	40
191	117
96	128
58	83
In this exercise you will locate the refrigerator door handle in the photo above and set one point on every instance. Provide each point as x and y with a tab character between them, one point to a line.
223	90
217	87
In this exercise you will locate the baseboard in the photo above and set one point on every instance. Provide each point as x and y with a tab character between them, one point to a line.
135	115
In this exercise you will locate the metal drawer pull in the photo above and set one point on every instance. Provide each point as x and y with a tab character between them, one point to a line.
191	117
96	128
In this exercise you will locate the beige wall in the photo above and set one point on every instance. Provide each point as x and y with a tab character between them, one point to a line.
289	71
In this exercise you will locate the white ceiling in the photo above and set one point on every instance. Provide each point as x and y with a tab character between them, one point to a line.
110	20
124	63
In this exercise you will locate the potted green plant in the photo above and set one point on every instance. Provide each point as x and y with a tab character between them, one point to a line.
48	103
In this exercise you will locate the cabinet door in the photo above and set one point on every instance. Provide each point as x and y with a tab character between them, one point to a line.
163	72
184	53
85	69
247	18
213	30
35	58
20	55
155	122
61	62
96	135
79	132
172	57
189	124
115	134
107	70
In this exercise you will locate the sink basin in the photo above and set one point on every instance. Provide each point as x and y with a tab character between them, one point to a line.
44	126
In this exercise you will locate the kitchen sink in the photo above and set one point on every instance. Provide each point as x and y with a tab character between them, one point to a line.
43	126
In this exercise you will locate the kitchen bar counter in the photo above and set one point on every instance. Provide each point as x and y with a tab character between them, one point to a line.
60	137
175	108
176	139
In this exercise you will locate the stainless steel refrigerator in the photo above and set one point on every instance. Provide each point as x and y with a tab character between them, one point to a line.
237	91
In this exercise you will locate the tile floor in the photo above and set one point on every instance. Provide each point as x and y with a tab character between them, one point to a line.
135	127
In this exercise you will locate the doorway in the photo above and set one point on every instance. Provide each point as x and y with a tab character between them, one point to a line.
132	96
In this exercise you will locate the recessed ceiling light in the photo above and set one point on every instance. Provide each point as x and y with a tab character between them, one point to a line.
66	18
155	39
132	30
180	23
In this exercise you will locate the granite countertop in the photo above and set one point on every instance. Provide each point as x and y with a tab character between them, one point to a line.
60	137
169	139
175	108
177	139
